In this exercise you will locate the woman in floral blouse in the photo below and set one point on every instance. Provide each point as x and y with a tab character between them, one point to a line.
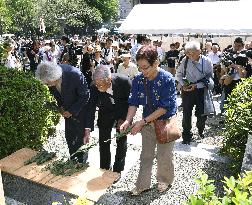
162	90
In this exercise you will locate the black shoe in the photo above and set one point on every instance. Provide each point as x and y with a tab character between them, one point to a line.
187	142
202	136
118	177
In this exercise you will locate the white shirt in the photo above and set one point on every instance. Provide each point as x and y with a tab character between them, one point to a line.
214	57
134	50
10	61
130	71
160	53
108	54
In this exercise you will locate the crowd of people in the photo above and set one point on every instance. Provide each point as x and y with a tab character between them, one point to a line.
114	76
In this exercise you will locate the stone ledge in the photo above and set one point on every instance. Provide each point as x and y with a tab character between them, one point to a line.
247	159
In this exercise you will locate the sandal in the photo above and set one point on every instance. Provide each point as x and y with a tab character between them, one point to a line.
163	186
137	192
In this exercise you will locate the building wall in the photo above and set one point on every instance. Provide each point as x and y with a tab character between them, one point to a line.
125	6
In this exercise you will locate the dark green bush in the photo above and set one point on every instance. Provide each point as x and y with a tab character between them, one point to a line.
238	123
24	120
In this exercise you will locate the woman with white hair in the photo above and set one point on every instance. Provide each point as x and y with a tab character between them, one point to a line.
69	87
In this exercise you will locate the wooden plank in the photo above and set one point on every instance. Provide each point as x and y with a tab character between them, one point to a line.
34	172
92	182
2	199
16	160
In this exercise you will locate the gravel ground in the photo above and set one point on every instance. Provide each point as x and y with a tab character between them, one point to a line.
186	168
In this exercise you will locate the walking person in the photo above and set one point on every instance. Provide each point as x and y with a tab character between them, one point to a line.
193	73
162	91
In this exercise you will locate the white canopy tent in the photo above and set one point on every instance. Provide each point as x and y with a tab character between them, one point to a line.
226	17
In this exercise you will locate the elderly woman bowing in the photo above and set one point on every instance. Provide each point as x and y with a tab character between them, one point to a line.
153	87
69	87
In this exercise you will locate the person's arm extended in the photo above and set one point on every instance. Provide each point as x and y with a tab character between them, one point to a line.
153	116
131	113
137	126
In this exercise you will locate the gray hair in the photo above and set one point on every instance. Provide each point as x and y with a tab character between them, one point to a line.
215	46
48	72
192	45
102	72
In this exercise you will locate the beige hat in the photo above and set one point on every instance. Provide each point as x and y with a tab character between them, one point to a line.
126	55
90	47
47	41
97	49
115	44
47	48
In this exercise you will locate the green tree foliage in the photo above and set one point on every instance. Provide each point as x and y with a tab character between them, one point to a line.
23	15
78	14
81	15
238	123
24	119
5	18
108	8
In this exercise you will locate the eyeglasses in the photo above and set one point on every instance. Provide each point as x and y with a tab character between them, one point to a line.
144	69
102	83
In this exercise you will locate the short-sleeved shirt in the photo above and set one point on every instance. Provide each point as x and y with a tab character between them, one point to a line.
162	90
130	71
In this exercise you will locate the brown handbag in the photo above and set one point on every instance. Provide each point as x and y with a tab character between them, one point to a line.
166	130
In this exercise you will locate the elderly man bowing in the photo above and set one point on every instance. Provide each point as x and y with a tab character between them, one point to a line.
69	87
110	93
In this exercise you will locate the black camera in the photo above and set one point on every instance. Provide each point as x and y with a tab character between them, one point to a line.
229	58
228	63
79	50
205	81
241	60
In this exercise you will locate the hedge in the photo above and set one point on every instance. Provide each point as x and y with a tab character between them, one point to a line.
24	119
238	123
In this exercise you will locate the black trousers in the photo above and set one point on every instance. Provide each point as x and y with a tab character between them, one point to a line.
189	99
217	86
74	136
105	124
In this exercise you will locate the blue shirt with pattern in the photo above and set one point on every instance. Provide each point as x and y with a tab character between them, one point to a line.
162	90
